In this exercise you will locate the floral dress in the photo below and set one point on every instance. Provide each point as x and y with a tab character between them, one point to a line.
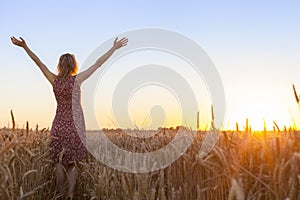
68	134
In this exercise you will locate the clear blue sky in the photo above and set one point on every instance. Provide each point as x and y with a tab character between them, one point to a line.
255	46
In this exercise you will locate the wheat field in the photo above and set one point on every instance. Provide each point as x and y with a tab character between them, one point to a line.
242	165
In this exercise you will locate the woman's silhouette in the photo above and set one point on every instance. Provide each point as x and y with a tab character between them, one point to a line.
66	145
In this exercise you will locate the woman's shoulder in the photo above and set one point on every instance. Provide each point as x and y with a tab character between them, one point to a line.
65	78
55	78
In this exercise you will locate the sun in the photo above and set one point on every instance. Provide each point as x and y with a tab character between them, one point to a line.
260	110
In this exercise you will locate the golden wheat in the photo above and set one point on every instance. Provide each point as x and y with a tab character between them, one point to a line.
243	165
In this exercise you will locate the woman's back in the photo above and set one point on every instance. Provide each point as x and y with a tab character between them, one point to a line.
63	89
68	126
67	94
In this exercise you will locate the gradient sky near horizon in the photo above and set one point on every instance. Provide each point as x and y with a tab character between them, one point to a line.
254	45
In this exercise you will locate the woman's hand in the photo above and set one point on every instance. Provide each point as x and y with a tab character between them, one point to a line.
120	43
21	42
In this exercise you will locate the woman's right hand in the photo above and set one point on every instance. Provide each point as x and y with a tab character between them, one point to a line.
21	42
120	43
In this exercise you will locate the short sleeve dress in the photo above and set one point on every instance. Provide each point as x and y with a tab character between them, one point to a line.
68	133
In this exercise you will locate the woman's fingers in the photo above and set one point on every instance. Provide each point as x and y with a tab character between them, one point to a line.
13	38
120	43
123	41
15	41
116	40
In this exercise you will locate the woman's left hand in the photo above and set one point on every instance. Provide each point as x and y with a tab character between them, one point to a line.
21	42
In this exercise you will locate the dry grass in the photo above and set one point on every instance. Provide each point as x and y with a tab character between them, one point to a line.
243	165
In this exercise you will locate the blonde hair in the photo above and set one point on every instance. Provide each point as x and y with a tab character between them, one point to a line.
67	66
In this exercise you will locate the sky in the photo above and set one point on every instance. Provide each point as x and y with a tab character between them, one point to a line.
254	45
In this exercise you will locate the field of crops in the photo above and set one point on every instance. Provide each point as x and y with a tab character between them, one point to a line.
242	165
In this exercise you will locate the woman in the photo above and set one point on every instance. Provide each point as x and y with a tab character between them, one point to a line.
68	128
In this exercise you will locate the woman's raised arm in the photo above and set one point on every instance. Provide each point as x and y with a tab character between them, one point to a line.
47	73
87	73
